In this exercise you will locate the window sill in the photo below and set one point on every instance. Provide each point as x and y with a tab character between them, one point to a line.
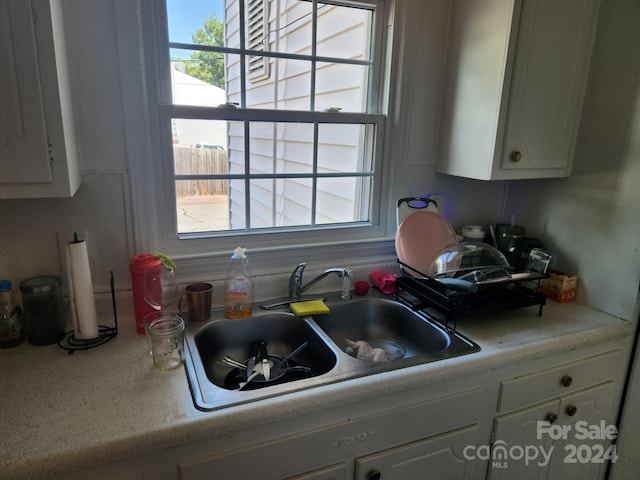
283	259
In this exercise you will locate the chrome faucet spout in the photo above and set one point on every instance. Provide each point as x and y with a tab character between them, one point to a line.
296	289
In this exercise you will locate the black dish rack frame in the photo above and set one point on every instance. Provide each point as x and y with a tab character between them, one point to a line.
423	293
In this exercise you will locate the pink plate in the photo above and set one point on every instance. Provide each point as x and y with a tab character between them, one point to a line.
421	236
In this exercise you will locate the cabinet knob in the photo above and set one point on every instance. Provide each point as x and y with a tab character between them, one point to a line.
551	418
374	475
566	381
571	410
515	156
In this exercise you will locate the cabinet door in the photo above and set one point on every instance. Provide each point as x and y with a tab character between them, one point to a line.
516	74
517	431
580	454
572	455
334	472
442	455
24	156
38	154
478	44
549	75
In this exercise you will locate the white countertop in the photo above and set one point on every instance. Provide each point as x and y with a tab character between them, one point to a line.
64	412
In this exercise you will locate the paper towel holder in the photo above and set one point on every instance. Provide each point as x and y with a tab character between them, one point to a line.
72	344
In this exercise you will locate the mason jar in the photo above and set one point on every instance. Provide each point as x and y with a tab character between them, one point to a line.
43	309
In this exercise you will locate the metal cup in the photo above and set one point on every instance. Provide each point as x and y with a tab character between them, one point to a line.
198	297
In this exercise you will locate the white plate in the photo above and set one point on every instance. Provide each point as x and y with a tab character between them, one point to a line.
421	236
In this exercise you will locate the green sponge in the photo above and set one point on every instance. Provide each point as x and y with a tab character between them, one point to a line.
310	307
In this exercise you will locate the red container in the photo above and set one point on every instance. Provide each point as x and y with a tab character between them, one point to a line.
138	265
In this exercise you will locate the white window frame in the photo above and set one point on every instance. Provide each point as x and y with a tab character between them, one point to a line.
271	251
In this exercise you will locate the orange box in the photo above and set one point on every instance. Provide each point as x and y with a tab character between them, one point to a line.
559	286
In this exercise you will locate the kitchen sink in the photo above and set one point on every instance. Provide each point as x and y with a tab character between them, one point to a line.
282	333
327	357
380	320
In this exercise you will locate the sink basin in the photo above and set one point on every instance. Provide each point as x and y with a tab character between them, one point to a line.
378	321
283	333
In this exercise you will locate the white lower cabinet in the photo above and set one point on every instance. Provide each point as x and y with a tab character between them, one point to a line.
334	472
406	442
585	450
439	457
559	429
519	430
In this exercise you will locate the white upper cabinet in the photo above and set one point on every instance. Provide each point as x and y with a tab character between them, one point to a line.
37	149
515	79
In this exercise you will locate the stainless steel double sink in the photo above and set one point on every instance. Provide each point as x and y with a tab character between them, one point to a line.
326	354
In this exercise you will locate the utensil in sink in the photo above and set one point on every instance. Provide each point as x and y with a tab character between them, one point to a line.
249	378
234	363
255	349
276	374
264	360
277	367
292	354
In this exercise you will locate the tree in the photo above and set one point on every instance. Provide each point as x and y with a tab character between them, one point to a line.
208	66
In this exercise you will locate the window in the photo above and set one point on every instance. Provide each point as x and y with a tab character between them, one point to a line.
271	116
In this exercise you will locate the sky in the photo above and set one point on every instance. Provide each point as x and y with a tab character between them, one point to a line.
187	16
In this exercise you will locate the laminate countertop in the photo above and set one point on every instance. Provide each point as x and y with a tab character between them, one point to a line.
61	413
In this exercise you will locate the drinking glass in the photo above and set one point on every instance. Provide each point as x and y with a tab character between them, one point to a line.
160	287
167	341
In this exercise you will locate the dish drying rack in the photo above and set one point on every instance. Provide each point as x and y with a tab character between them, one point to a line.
424	293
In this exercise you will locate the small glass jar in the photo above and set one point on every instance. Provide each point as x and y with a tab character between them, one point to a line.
11	326
538	261
43	309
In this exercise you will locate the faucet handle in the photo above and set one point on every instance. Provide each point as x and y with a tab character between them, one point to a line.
297	272
295	281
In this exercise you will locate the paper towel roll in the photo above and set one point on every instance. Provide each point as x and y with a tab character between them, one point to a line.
82	301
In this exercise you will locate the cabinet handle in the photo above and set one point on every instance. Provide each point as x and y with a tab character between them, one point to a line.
515	156
566	381
374	475
571	410
551	418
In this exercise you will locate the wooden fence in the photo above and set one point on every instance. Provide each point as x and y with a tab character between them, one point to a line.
200	161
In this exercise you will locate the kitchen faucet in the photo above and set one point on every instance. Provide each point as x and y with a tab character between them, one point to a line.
296	289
